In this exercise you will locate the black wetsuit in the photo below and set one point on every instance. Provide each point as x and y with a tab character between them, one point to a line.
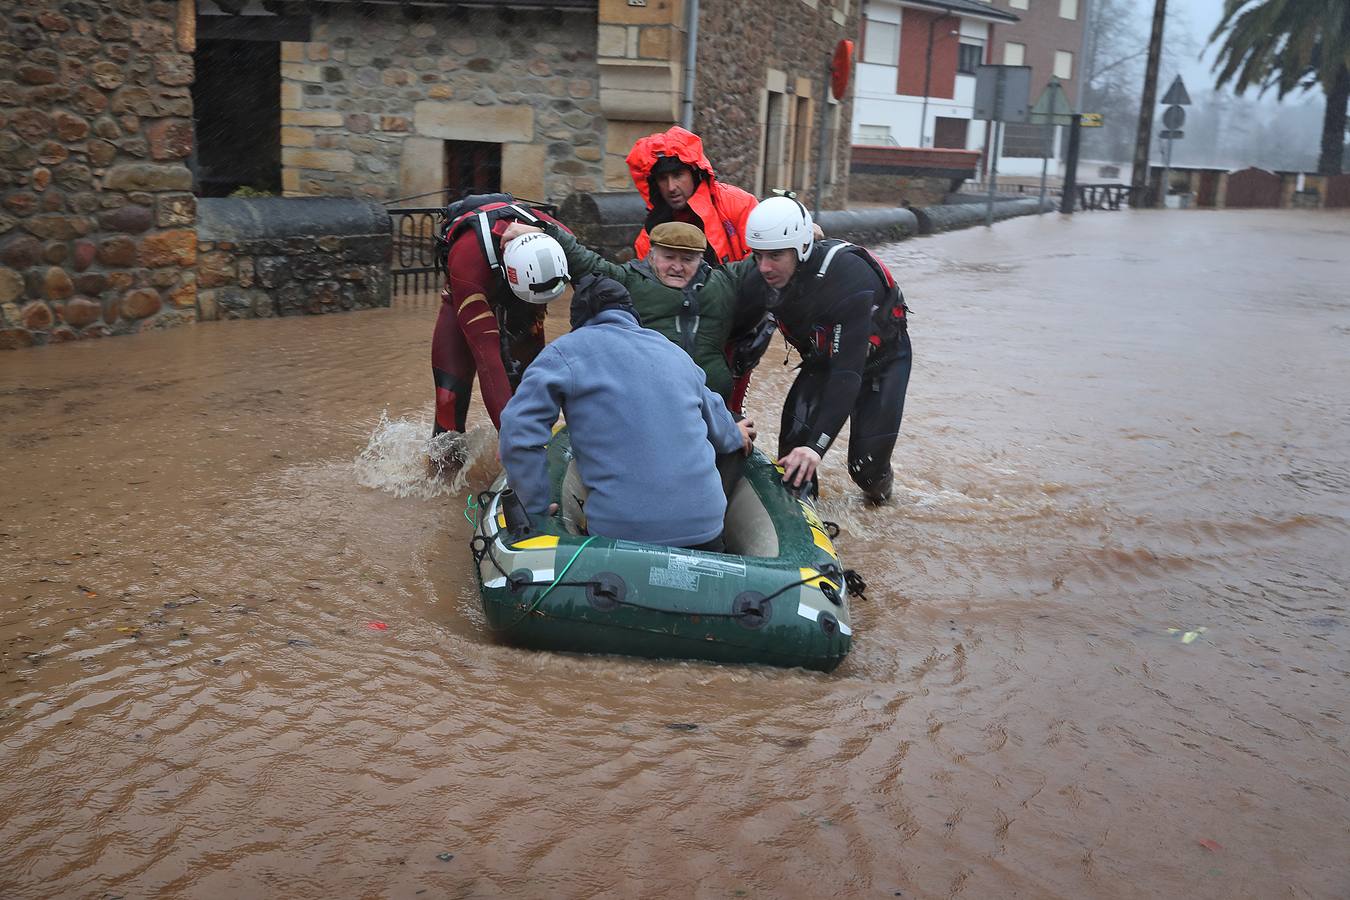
843	315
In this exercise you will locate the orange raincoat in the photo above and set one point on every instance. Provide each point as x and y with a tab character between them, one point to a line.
721	208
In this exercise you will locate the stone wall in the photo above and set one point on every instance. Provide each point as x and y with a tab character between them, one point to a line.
266	257
97	227
369	102
744	47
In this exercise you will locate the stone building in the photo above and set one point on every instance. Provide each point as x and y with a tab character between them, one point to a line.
97	226
116	115
543	102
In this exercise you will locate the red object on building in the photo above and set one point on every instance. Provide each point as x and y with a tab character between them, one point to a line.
841	68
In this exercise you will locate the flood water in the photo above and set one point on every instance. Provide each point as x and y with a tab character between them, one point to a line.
1103	652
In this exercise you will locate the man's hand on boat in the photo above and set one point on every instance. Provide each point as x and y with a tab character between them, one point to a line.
799	466
515	230
748	434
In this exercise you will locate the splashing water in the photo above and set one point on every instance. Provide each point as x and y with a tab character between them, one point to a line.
402	460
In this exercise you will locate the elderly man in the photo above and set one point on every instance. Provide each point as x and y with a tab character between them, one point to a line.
674	291
640	418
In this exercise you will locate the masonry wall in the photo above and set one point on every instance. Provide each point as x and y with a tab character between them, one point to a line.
746	48
273	256
369	102
96	230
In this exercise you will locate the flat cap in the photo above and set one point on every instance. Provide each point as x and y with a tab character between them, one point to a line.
679	236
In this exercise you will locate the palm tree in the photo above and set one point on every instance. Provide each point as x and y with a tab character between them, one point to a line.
1289	45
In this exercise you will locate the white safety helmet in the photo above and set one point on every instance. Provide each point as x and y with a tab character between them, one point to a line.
535	268
780	223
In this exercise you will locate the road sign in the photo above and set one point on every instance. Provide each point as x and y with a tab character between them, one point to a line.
1091	120
1175	134
1052	106
1176	95
1002	93
1174	117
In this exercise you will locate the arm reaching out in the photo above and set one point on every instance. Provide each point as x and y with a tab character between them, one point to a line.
516	229
527	425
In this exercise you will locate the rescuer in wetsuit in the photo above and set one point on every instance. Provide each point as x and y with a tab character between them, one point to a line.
840	308
493	305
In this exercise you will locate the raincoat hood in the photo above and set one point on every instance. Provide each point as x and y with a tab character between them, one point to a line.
719	209
684	145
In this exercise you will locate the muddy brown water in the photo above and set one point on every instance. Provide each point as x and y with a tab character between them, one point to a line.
1103	652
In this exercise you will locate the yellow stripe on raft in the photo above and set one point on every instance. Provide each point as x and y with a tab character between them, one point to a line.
542	542
823	542
812	578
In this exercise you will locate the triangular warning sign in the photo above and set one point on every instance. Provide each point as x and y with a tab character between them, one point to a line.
1176	95
1052	107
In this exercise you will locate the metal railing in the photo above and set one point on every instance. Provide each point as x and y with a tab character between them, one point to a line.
416	267
1004	189
1104	196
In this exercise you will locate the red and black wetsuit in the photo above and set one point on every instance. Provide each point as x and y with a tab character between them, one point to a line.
843	313
483	328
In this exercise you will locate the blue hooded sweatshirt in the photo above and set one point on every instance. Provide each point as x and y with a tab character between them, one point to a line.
645	432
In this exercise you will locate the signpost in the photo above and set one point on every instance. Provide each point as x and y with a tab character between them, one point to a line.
1173	118
1052	108
1001	95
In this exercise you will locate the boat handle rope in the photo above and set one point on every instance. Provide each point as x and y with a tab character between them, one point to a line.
544	593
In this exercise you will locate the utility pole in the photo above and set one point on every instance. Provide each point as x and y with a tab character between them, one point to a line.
927	80
1144	136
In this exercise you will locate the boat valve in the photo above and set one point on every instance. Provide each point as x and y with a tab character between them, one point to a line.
518	523
752	610
831	594
830	591
606	590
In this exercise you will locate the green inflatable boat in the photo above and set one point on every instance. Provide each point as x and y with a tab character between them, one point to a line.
778	596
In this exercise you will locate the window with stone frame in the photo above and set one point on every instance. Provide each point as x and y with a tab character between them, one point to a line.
236	116
472	167
801	145
774	145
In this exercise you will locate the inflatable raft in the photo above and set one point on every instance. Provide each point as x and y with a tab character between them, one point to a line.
778	596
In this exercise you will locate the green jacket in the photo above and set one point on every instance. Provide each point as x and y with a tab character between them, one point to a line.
697	318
